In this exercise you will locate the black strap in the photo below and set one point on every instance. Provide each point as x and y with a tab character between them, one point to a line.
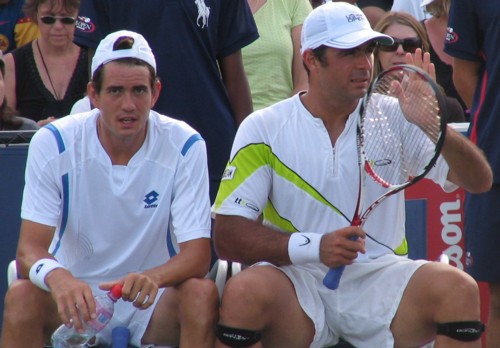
234	337
462	330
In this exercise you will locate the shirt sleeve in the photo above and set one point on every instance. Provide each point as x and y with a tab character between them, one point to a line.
190	209
92	23
301	10
246	182
43	191
463	33
237	27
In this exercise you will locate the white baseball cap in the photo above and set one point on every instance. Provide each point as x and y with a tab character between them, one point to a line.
339	25
105	52
426	2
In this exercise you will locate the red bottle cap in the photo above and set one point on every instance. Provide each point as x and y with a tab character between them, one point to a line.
116	291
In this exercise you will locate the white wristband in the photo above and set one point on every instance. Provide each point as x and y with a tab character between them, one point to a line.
304	247
39	271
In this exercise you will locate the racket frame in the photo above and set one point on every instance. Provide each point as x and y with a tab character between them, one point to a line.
332	278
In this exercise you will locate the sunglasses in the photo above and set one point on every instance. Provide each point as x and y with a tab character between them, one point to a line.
52	19
409	45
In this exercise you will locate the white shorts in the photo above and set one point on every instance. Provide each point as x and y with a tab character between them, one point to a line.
362	308
135	319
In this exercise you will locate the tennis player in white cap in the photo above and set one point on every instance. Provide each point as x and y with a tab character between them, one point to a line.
291	181
118	194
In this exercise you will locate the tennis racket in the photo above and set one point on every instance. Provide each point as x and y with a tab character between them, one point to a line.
400	133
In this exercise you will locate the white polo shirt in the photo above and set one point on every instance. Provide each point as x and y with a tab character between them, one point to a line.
109	219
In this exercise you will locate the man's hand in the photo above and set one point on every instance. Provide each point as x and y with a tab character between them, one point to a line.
74	298
338	248
137	288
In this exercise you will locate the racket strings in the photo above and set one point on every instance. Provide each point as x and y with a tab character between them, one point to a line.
400	128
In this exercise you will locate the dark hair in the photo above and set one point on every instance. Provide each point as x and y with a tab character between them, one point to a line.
123	43
319	53
30	7
316	3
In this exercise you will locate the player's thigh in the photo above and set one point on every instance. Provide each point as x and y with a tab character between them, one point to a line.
263	298
436	293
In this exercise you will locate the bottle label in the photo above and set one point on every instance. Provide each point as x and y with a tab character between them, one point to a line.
103	318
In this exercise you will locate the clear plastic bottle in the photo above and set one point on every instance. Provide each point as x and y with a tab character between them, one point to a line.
68	337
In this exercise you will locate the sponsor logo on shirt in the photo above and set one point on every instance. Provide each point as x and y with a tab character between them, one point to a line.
85	24
228	173
244	203
451	36
203	13
151	199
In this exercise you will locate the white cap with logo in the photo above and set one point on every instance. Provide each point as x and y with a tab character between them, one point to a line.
105	52
339	25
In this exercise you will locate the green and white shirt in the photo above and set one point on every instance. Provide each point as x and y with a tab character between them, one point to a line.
283	165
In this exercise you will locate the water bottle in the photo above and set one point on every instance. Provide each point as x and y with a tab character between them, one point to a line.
68	337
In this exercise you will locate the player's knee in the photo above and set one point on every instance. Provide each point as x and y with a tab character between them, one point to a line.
196	289
464	292
201	295
241	289
23	294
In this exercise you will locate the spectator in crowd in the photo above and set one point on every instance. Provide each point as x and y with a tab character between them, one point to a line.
291	181
8	121
47	76
410	37
472	40
374	9
16	29
273	63
198	45
435	27
115	195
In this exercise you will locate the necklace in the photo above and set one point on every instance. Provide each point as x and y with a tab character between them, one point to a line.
46	70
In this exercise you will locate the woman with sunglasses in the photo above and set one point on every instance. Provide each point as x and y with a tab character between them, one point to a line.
409	37
47	76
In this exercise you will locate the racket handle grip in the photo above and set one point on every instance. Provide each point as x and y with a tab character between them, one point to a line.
332	278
